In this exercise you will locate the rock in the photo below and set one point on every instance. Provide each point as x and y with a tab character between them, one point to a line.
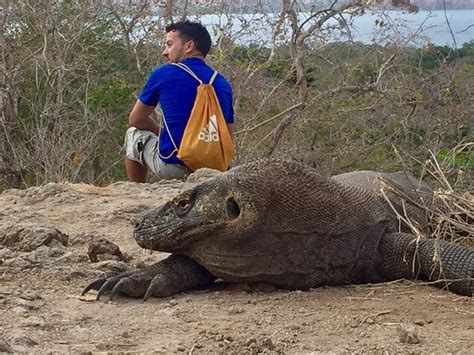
407	333
181	348
6	253
20	311
14	192
45	254
23	340
40	193
81	238
27	305
103	246
250	341
56	244
18	262
235	310
265	344
29	238
268	343
141	264
4	346
30	295
125	334
33	322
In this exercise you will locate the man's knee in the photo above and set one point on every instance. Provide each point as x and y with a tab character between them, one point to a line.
129	141
135	143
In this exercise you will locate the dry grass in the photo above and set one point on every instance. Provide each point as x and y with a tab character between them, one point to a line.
451	212
451	217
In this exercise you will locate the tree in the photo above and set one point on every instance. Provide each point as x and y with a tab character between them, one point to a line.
71	71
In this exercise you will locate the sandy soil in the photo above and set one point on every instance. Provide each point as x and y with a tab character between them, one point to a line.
43	271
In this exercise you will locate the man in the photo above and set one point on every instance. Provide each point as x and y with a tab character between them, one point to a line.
175	90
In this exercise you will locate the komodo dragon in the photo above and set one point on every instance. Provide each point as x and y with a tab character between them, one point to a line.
282	223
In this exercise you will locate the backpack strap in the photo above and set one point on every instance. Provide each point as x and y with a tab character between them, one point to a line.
190	72
213	77
175	150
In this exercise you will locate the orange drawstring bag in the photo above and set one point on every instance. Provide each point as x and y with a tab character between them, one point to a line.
206	140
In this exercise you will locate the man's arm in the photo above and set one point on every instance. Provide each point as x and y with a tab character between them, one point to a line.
141	118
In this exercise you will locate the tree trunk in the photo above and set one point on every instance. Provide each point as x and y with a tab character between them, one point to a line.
9	176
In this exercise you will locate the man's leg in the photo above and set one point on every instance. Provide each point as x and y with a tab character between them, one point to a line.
136	172
141	155
133	149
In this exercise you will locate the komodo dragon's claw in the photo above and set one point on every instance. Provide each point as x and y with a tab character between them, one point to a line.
107	286
117	289
162	279
99	281
134	283
150	290
94	285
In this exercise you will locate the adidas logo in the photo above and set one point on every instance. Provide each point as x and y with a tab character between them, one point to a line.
210	132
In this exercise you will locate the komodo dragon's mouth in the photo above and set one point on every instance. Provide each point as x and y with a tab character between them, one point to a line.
167	240
170	234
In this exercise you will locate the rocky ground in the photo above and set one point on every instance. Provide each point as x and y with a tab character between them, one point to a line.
45	233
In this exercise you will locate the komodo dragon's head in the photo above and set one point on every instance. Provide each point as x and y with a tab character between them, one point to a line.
229	204
192	215
252	205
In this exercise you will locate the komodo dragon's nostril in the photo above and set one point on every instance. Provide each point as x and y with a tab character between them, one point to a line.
233	209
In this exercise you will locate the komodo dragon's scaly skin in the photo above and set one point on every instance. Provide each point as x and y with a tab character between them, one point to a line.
284	224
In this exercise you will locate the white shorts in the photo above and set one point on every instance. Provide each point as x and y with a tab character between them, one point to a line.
142	147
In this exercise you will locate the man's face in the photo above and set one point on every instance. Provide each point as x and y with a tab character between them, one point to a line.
175	48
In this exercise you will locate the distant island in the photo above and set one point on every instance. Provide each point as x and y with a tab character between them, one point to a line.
439	4
245	6
421	4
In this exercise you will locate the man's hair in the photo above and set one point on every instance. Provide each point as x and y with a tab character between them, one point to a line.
192	31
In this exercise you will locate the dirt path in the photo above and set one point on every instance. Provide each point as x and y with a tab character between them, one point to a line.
41	279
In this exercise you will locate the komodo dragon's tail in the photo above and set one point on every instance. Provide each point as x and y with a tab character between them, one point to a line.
448	265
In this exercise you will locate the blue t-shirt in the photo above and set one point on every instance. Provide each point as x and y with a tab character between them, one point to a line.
175	90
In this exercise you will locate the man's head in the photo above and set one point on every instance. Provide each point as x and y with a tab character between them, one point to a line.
186	39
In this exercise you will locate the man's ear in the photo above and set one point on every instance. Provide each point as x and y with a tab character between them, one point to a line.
189	47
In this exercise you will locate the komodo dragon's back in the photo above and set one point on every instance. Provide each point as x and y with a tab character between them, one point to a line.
283	223
406	196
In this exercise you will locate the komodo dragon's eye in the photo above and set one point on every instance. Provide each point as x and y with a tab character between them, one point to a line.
182	205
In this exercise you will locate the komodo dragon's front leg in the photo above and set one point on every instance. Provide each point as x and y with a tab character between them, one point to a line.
173	275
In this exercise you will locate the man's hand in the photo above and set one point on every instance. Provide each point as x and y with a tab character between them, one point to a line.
141	118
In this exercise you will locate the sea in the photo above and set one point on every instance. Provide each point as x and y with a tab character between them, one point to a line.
450	28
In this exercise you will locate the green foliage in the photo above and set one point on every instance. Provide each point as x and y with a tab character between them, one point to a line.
114	95
252	52
432	56
457	159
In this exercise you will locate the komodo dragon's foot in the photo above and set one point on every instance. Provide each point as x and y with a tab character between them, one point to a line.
173	275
